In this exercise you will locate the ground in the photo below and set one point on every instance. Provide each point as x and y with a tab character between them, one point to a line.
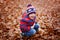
48	16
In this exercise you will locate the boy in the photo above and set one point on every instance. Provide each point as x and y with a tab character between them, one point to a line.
27	21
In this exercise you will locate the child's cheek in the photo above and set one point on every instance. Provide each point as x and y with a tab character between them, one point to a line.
31	17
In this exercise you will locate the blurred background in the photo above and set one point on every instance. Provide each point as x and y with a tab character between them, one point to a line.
48	16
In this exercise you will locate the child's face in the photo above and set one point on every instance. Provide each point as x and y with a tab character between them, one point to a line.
31	16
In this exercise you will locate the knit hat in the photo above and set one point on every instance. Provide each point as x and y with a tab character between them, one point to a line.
30	9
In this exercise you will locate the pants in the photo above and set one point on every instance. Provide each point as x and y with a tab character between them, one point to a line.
32	31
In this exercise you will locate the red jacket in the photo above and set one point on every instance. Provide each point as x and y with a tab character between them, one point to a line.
26	23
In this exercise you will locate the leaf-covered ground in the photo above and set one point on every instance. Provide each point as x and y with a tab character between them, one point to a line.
48	16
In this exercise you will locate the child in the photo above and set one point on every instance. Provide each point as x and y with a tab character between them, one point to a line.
27	21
